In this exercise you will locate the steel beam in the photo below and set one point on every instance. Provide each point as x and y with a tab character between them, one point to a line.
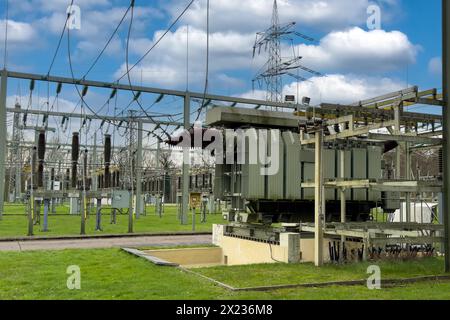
404	138
319	215
446	126
186	161
118	86
89	116
139	171
3	132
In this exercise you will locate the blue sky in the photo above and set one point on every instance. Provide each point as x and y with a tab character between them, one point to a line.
357	63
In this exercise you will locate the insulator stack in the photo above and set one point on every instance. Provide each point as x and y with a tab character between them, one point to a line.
113	180
41	157
52	178
75	155
67	184
441	161
117	179
107	161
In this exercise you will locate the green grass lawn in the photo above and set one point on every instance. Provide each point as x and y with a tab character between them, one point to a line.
276	274
113	274
15	223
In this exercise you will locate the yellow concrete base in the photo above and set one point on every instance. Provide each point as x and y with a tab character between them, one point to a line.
195	257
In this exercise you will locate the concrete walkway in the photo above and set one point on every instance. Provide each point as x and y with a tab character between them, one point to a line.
129	242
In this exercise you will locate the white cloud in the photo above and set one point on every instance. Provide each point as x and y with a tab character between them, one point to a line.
55	5
166	64
253	15
358	51
97	25
435	66
336	88
350	51
18	32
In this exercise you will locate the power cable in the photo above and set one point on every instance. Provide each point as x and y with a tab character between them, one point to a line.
207	62
159	40
60	39
109	40
5	58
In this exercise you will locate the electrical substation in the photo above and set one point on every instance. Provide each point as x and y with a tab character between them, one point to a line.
349	186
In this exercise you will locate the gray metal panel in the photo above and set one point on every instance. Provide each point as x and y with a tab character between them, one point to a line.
253	182
120	199
219	181
275	182
307	155
329	171
236	117
374	156
347	171
359	164
292	173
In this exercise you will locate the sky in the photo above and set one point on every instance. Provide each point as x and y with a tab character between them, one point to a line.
355	61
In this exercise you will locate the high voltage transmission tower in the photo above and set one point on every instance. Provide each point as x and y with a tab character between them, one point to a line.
276	66
15	159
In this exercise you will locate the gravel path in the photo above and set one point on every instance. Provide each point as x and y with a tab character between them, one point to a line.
130	242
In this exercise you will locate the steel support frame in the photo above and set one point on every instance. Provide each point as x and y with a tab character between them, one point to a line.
3	149
319	214
186	162
446	127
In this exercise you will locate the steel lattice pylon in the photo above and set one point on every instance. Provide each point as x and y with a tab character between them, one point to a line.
15	159
273	70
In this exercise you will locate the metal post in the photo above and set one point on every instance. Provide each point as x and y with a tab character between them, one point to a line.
158	167
31	204
3	137
186	160
139	170
318	203
17	160
446	128
83	212
343	200
408	177
193	219
94	176
46	208
130	213
98	224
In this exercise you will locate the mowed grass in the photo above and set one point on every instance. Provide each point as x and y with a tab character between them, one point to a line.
282	274
15	223
112	274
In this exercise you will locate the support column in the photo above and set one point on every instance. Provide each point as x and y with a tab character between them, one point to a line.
318	201
408	177
3	137
31	201
186	161
98	220
158	168
46	209
343	200
446	129
94	176
139	170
